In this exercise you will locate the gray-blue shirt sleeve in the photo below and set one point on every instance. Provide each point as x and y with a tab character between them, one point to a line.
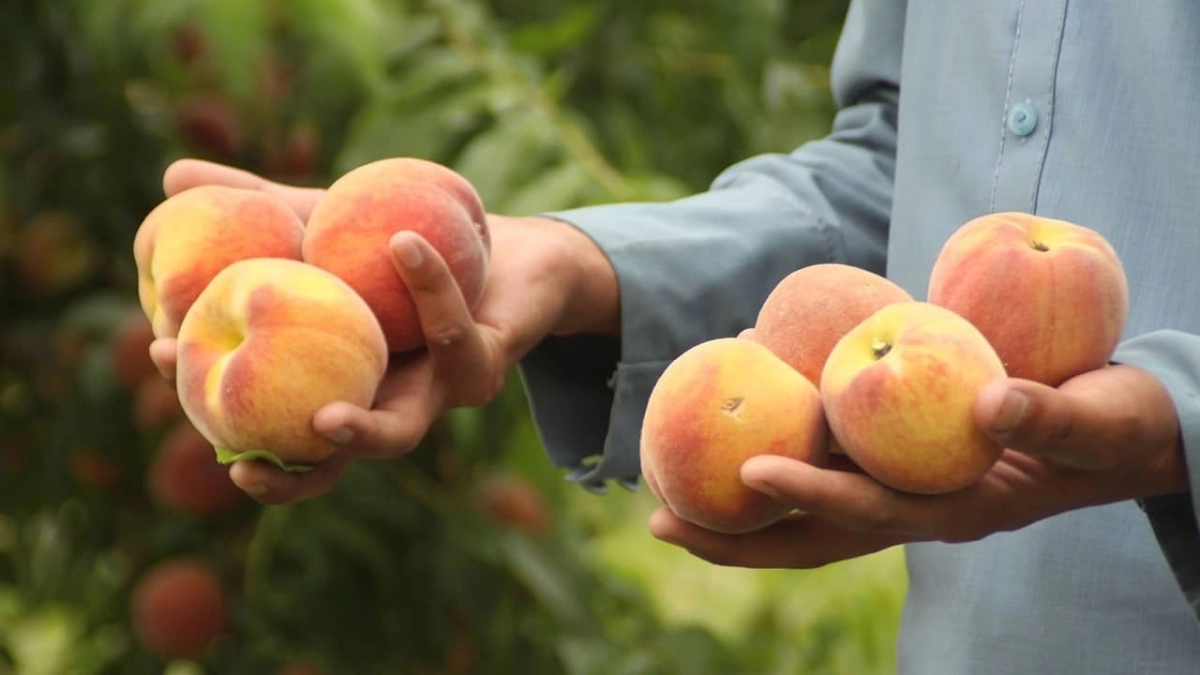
1174	358
700	267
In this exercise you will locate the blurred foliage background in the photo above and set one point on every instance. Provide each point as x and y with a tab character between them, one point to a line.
122	551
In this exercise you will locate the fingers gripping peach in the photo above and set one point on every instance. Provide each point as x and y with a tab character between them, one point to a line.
267	343
349	230
718	404
1051	296
184	241
899	393
813	307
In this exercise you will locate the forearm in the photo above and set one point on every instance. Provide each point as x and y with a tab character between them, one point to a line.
700	267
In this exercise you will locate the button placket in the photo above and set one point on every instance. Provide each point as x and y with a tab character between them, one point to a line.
1030	105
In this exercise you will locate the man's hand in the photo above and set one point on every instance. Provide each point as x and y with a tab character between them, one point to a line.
1105	436
544	277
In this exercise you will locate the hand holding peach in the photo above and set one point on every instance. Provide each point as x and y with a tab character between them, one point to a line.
546	276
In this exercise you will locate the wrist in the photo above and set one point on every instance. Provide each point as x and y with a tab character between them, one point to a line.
593	301
580	272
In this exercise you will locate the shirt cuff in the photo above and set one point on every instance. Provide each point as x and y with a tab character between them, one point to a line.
1174	358
587	407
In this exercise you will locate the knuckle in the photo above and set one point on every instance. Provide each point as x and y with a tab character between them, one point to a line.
447	335
878	518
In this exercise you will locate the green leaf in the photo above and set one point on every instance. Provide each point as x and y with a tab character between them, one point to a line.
227	456
561	187
508	154
552	587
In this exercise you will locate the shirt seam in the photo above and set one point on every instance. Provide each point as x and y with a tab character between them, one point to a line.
1012	66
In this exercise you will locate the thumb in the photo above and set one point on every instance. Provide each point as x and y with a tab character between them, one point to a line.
1090	422
1035	419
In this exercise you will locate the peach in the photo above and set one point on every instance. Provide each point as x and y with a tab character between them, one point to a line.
129	351
812	308
349	230
178	608
899	392
54	254
268	343
514	502
184	241
94	469
715	406
155	405
183	477
1051	296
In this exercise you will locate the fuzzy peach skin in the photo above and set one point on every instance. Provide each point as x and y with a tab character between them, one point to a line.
185	240
1050	295
268	343
899	390
416	170
715	406
812	308
349	230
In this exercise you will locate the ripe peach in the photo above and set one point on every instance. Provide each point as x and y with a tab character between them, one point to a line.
514	502
212	125
183	476
129	351
184	241
268	343
54	254
899	390
1051	296
179	608
813	307
715	406
349	230
94	469
155	405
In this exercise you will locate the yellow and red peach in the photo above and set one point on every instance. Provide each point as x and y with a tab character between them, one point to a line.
715	406
268	343
185	240
1050	295
349	230
899	392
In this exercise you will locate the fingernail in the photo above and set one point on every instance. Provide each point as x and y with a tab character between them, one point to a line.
409	253
342	436
1012	411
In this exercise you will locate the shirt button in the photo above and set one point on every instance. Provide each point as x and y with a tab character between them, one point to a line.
1022	119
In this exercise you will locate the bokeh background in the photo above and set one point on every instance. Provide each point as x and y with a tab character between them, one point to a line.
473	555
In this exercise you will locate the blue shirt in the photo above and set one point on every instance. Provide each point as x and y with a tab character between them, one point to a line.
1086	111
